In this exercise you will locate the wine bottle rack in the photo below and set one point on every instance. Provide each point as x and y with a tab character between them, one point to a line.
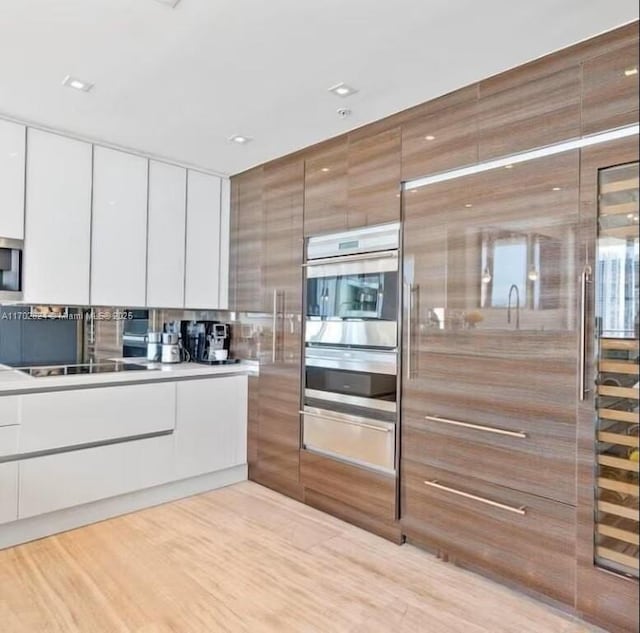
617	544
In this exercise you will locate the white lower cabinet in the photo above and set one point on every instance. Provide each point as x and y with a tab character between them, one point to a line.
211	425
69	418
8	475
64	480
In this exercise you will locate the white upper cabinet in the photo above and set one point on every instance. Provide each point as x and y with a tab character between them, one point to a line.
202	270
12	150
58	220
119	231
166	235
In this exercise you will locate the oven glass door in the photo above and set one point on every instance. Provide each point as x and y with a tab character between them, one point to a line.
365	289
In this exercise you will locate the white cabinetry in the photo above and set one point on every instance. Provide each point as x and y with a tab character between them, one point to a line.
58	220
68	418
12	153
202	270
166	235
119	232
70	479
211	425
9	410
8	475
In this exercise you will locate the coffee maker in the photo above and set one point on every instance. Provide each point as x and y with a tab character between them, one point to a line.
206	341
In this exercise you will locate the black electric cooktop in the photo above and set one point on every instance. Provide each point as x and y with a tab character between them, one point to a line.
91	368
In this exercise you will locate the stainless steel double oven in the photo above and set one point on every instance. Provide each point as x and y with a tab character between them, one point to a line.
352	297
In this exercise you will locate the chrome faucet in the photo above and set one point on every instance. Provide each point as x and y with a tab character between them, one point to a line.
514	287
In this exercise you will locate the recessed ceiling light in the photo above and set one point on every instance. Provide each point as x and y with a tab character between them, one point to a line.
342	90
240	139
169	3
429	137
76	84
630	72
325	169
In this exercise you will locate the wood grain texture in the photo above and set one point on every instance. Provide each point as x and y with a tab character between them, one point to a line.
244	559
278	429
609	97
325	188
246	254
372	494
536	550
472	363
443	140
374	179
607	599
530	114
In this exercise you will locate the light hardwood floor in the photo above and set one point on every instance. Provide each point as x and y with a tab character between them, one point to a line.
246	559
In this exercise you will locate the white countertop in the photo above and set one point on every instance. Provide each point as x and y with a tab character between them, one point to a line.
15	382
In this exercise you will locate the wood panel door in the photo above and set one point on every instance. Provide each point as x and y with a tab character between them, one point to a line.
246	291
490	326
374	178
609	599
278	437
326	200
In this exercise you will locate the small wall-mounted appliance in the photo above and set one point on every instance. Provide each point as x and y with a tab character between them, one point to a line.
10	269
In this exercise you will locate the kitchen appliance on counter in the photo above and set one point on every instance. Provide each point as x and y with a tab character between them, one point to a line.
171	352
206	341
352	298
10	269
154	346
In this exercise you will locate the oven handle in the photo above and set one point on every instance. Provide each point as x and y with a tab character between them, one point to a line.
339	259
364	425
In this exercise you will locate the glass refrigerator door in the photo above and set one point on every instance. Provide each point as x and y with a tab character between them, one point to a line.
616	279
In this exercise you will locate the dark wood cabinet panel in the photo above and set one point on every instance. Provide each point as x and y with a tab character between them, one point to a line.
360	496
246	292
325	188
446	139
509	534
278	429
374	179
610	90
605	598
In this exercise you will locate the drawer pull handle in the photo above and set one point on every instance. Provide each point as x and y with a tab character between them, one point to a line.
477	427
371	427
503	506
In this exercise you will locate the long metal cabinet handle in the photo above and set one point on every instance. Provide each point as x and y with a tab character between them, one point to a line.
477	427
371	427
585	280
503	506
350	258
274	327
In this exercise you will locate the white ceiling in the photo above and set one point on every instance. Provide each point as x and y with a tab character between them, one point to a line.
178	82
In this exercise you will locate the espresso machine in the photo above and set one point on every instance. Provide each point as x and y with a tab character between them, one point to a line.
206	341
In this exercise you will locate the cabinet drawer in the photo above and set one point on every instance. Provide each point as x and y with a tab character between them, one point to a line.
372	493
64	480
510	534
9	410
532	455
8	440
70	418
